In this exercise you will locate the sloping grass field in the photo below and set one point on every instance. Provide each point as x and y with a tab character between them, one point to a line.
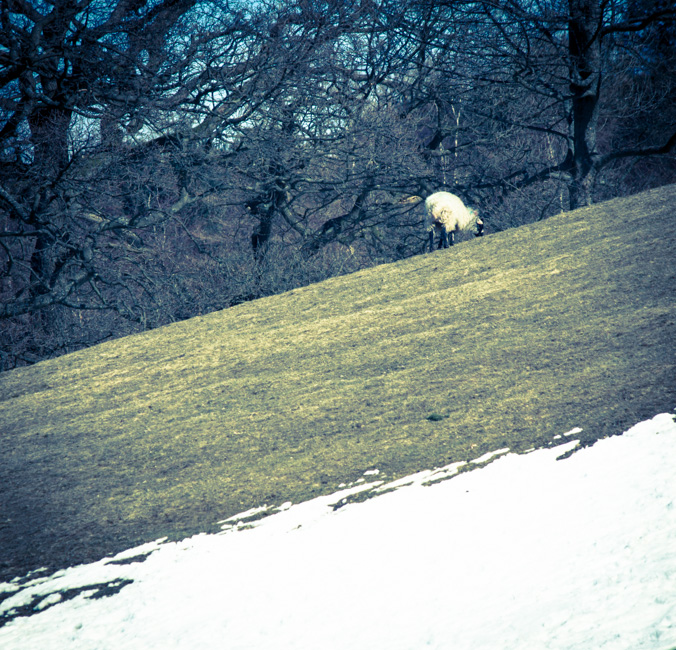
503	341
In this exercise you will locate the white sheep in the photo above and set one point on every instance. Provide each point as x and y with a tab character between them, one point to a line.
447	214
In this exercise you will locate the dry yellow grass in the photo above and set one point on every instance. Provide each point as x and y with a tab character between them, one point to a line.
509	340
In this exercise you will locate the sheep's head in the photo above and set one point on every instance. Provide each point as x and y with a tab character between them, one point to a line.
478	222
479	227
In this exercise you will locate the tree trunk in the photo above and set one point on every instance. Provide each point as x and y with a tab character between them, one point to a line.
584	47
264	211
49	136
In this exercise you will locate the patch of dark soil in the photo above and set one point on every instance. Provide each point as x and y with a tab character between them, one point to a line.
43	602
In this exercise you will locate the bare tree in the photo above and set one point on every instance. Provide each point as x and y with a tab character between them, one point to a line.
67	66
566	58
106	115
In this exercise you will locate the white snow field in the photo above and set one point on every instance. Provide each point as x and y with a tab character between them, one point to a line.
525	552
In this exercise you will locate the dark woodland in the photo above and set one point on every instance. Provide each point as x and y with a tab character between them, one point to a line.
162	159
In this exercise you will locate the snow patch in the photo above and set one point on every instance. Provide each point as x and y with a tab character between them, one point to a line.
525	552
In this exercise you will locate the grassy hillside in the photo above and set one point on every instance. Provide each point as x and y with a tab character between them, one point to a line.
505	341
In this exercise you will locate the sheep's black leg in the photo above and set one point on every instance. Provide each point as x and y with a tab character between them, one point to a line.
431	240
443	240
450	238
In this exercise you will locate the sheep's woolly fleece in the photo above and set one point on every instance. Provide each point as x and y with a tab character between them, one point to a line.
444	208
528	551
